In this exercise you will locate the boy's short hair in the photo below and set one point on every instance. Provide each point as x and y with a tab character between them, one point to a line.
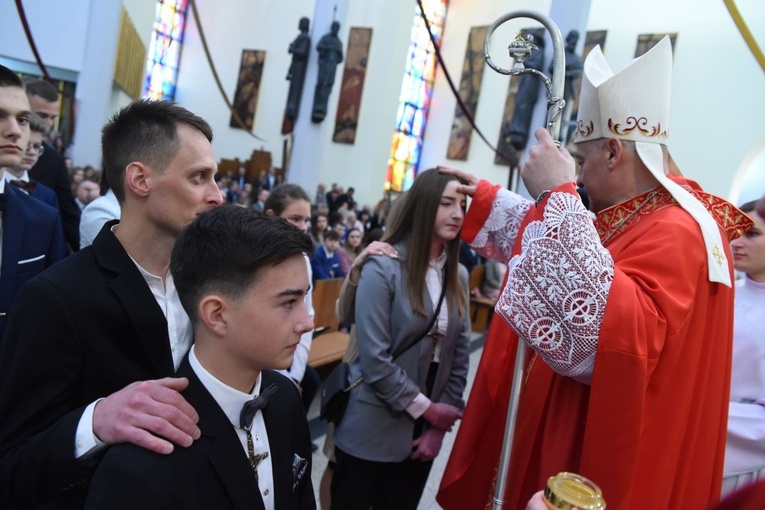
331	235
225	249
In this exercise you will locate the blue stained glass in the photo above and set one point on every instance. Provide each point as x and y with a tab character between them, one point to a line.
414	100
165	49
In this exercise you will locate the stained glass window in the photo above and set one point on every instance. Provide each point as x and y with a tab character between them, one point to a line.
165	49
414	100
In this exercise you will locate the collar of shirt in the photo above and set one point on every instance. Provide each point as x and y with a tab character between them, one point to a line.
7	177
2	181
438	262
231	400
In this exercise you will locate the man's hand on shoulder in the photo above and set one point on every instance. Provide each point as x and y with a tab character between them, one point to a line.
144	413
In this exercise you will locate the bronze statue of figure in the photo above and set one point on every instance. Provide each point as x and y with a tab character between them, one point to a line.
526	97
300	49
574	69
330	55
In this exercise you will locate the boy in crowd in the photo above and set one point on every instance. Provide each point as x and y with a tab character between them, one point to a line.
325	263
18	175
241	277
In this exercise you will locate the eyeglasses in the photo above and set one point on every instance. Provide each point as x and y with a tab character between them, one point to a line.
36	148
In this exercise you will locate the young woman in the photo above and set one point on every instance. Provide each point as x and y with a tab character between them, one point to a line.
290	201
349	249
319	225
410	396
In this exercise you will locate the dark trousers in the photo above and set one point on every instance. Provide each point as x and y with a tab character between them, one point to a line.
360	484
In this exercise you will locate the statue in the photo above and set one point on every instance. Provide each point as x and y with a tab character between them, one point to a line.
526	98
330	55
574	69
300	49
574	66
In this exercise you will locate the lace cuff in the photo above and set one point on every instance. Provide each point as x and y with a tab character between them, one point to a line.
557	290
496	237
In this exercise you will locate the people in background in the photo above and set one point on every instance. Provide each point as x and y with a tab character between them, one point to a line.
325	262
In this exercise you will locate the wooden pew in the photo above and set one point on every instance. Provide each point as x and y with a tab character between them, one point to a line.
481	308
329	345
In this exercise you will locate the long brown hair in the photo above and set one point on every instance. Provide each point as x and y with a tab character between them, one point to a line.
413	224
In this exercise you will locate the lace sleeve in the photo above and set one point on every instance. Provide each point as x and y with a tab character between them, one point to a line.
558	287
497	236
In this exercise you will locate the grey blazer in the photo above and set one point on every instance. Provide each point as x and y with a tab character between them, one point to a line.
376	426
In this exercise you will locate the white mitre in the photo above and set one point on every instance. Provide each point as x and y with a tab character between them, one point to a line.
634	105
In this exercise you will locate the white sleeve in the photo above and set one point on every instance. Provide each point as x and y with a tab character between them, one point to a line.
558	287
85	440
497	236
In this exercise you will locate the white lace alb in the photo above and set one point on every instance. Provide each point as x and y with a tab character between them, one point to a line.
558	286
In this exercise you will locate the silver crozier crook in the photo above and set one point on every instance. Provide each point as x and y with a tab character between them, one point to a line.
520	49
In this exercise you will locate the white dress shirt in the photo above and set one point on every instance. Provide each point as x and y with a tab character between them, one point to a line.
231	402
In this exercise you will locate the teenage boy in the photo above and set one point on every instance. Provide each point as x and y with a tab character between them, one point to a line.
242	278
325	263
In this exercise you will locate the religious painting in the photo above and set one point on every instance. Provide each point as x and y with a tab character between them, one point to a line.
470	88
247	88
647	41
506	154
594	38
349	103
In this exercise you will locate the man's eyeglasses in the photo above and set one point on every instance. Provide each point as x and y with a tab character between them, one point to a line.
36	148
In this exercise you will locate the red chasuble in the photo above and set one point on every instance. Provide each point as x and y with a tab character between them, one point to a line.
650	430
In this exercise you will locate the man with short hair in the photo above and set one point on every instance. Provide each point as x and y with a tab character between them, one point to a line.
93	343
50	169
241	277
87	191
628	318
31	231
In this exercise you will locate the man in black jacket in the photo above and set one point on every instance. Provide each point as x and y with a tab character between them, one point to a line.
50	168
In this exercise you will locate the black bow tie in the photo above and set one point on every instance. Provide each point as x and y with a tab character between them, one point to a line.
28	186
252	406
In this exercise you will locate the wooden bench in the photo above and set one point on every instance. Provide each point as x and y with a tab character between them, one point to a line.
329	345
481	308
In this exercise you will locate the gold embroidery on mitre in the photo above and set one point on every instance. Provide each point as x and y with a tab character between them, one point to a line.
640	123
584	130
718	255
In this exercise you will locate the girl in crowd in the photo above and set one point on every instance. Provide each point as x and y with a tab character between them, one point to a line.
413	336
290	201
349	249
319	225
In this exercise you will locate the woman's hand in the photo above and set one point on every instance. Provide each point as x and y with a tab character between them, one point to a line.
428	445
376	248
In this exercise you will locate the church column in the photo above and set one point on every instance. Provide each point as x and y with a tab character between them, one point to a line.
94	83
